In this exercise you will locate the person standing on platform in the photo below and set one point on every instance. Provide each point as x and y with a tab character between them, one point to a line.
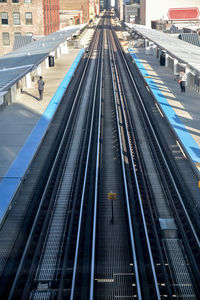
40	84
182	80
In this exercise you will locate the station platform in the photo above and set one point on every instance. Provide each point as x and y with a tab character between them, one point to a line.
181	109
19	119
24	123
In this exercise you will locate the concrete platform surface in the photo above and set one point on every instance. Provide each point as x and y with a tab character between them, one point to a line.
19	119
181	109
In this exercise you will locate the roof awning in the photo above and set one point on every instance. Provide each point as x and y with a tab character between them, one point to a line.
2	94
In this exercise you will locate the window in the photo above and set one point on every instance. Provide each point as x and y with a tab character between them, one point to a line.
15	1
3	1
17	34
16	18
28	17
4	18
27	1
5	38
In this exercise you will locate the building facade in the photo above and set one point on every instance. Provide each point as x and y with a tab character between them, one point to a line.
105	4
91	9
132	13
94	8
79	11
97	7
170	10
26	17
121	9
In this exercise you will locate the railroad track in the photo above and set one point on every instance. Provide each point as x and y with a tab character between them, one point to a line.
46	243
179	241
111	223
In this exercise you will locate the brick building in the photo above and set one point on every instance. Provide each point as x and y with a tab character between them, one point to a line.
97	6
26	17
80	8
78	12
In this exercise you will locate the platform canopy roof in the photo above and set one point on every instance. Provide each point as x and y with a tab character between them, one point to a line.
184	52
16	64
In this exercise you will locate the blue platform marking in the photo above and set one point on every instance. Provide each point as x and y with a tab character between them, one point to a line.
16	172
183	134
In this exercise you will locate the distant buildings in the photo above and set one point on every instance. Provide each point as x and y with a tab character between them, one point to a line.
159	14
74	12
26	17
168	10
128	10
119	6
78	11
41	17
132	13
104	4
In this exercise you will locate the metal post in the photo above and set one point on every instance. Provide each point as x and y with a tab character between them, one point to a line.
112	196
112	220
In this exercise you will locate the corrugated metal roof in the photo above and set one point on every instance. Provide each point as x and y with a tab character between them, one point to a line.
21	41
192	38
186	53
10	76
16	64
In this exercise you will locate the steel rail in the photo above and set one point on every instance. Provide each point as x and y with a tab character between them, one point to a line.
65	190
60	292
125	179
139	197
187	221
96	185
27	246
83	189
161	152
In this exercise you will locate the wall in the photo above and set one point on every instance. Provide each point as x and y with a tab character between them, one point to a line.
68	18
82	5
51	16
91	9
131	13
97	7
121	9
45	19
37	21
157	9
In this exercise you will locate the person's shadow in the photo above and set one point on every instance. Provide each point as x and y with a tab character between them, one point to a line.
26	93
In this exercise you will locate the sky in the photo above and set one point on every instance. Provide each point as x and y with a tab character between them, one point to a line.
112	2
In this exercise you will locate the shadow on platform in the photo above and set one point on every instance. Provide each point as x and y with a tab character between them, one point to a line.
28	94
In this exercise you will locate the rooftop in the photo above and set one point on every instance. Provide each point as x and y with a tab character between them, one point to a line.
16	64
186	53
